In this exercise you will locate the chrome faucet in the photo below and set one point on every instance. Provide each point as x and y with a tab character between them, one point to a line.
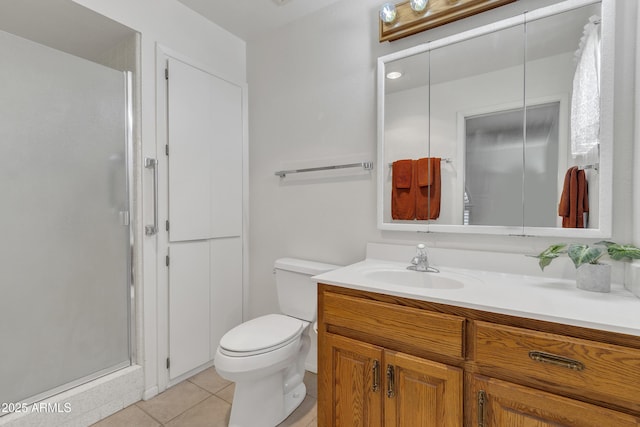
420	262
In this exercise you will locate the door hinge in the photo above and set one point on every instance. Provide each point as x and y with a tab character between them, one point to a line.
166	149
482	398
166	260
166	225
168	363
166	73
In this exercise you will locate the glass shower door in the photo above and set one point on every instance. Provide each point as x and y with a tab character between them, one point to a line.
65	241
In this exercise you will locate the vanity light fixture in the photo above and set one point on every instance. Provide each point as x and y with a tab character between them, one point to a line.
394	75
418	6
388	13
410	17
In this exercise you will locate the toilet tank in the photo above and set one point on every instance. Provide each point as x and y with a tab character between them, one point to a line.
297	294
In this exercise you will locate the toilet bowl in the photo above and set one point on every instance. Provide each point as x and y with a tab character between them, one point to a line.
265	356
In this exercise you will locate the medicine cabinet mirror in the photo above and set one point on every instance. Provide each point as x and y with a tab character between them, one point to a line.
508	108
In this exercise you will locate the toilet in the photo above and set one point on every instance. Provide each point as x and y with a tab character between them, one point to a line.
266	356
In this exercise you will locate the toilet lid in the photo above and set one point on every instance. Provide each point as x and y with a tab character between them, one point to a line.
261	334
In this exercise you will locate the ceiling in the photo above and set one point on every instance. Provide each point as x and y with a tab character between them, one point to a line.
72	28
248	19
62	25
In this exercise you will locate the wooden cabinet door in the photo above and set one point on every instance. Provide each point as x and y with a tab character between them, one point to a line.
496	403
421	393
354	387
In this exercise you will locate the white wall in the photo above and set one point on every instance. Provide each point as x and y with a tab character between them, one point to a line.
313	94
178	28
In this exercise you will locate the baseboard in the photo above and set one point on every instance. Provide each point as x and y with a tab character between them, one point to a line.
150	393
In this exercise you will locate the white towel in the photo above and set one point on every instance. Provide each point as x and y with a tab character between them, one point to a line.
585	101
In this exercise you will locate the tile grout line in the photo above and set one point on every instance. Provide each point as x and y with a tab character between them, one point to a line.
162	424
147	413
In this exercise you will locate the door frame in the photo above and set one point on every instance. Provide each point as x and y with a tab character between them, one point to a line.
163	53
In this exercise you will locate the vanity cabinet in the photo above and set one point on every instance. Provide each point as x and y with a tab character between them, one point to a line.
499	403
354	382
392	361
374	386
367	382
579	368
420	392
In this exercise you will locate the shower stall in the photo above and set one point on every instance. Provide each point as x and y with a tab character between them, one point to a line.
66	244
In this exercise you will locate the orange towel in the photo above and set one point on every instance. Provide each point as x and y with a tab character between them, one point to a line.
403	198
425	172
574	201
583	198
428	195
563	206
402	173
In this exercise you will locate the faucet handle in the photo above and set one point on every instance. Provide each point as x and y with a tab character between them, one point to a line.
421	260
421	250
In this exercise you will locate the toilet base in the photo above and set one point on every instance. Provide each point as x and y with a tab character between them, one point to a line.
293	399
255	404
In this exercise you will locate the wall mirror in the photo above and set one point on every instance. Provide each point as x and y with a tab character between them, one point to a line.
503	129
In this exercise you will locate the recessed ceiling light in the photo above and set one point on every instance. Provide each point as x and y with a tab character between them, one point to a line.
281	2
394	75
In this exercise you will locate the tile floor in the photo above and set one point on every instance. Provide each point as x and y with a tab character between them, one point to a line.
203	400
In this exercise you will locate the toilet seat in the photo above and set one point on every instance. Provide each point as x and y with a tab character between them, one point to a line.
261	335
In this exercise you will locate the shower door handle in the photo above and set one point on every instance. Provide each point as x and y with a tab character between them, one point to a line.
150	163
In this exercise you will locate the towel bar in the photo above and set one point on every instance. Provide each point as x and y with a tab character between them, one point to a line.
595	167
365	165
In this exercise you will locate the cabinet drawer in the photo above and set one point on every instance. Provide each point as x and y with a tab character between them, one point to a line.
410	328
596	371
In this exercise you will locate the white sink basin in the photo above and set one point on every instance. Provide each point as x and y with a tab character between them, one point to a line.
413	278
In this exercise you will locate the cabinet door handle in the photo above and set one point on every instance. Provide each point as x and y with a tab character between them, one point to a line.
376	376
482	398
554	359
390	381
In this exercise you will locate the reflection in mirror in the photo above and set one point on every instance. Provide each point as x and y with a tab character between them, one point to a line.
554	55
495	105
470	81
406	128
493	167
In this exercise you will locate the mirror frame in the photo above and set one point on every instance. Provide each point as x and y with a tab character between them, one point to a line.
604	229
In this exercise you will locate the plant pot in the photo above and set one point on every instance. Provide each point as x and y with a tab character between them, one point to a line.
594	277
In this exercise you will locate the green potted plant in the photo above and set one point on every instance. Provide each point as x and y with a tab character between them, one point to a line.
591	275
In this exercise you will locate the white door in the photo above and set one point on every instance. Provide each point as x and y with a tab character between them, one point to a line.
191	139
204	228
189	313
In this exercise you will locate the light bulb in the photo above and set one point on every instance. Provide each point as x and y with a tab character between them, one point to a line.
394	75
418	5
388	13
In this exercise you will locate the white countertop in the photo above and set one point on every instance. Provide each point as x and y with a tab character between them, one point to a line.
534	297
